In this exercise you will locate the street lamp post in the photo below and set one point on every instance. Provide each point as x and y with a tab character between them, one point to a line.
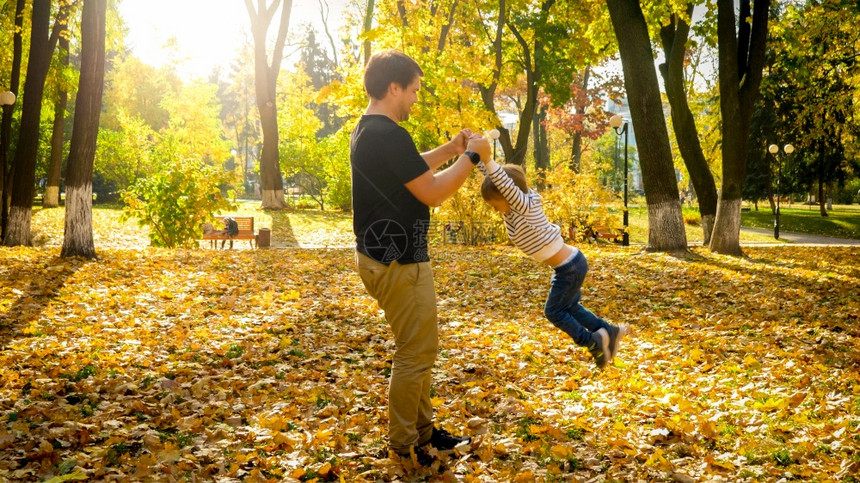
620	126
774	150
494	135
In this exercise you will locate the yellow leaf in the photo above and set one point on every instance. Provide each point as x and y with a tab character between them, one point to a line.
751	361
657	459
696	354
297	473
560	451
524	477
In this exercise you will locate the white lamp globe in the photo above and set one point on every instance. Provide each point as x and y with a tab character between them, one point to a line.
7	98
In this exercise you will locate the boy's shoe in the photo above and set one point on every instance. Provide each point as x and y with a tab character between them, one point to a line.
599	348
616	333
444	441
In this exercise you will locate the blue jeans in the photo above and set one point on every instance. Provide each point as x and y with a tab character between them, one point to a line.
562	304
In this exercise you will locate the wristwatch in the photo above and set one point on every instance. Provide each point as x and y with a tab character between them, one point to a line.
473	156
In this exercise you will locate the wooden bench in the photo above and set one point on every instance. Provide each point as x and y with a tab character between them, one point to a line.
605	232
246	231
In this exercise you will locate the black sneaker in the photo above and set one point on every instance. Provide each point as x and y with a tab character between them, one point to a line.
444	441
616	333
422	457
599	348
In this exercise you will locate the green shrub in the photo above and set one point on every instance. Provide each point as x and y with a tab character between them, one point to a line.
176	200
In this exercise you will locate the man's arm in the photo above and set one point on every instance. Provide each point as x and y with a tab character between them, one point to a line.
433	188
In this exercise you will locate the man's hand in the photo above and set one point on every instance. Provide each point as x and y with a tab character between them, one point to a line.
460	141
480	145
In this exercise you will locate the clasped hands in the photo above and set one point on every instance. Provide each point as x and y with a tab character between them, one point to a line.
466	140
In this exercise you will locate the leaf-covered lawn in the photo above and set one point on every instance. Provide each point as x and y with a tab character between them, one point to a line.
260	365
290	228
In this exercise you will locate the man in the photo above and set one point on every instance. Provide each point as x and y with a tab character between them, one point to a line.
393	186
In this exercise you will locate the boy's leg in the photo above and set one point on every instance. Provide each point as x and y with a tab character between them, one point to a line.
582	315
562	304
562	299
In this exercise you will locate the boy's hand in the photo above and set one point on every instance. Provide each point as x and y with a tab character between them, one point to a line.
480	145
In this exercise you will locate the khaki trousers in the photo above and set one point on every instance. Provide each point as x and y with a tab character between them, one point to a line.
408	297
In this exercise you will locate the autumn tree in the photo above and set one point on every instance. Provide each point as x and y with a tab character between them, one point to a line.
43	40
55	166
78	236
8	110
674	37
810	85
137	89
266	80
300	157
742	41
665	221
584	115
124	153
236	94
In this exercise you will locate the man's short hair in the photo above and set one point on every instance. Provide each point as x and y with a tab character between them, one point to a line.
386	67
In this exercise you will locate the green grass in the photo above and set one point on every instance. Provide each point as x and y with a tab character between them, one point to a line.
842	222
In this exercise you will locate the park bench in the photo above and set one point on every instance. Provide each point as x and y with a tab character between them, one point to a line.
598	232
246	231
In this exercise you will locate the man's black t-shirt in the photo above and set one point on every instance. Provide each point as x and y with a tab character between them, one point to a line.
389	222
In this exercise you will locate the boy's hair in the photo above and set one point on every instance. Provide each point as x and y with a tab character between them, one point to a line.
489	190
386	67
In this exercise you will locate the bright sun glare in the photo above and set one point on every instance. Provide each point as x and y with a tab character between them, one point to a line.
207	33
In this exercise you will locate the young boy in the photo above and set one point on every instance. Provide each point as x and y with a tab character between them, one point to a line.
506	190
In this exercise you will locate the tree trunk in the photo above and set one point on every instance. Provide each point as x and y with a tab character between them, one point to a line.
541	141
488	91
533	59
674	37
265	82
368	24
8	111
55	168
741	59
78	236
42	43
822	199
665	221
576	148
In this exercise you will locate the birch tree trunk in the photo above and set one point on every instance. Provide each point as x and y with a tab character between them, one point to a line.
78	235
6	122
666	231
741	59
674	36
42	43
265	82
55	167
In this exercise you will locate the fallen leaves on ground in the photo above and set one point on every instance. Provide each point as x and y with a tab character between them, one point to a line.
272	365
